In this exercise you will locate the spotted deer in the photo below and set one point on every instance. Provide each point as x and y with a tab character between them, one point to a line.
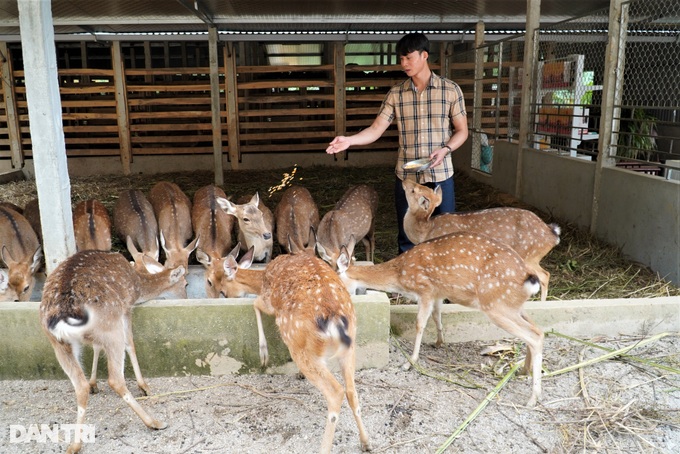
88	299
133	217
21	252
353	215
253	229
172	209
316	319
469	269
213	226
295	214
520	229
92	226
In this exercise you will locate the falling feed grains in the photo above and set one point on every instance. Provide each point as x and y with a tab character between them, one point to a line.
285	181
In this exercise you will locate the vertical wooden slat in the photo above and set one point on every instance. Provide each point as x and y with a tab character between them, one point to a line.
13	129
339	78
147	61
121	107
231	92
215	106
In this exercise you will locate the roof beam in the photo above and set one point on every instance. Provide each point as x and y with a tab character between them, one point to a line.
199	10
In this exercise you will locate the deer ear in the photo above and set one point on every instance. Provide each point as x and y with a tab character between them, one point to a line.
226	205
37	255
322	253
256	199
343	260
230	267
424	203
234	252
247	258
202	257
437	196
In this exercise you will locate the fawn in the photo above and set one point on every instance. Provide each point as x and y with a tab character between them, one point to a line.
172	209
21	252
133	217
295	214
213	226
520	229
255	225
88	299
469	269
354	214
92	226
316	319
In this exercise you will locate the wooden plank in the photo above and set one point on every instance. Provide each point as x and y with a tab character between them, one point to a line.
121	107
307	111
10	105
231	94
292	98
282	68
285	84
339	80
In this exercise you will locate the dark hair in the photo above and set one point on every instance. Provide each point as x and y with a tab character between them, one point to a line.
413	42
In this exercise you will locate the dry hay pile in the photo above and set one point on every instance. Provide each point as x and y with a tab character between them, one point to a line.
581	266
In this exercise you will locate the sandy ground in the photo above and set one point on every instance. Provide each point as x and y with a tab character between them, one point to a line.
612	406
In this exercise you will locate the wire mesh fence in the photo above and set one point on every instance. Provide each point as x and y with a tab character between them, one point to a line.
566	100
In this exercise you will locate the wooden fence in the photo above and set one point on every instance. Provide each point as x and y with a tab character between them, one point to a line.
124	110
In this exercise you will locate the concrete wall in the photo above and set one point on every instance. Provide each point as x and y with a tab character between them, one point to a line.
638	213
187	337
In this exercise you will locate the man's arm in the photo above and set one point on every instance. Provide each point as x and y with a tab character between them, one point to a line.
363	137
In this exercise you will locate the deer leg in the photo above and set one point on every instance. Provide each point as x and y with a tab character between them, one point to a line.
132	353
425	306
437	316
514	322
318	374
96	351
67	357
264	351
115	352
347	365
543	276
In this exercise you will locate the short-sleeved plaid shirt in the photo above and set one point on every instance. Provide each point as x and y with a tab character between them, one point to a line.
424	123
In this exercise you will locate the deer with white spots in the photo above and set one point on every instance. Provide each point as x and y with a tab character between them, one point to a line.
295	214
213	228
172	209
255	225
353	215
316	319
92	226
133	217
468	269
21	252
520	229
88	299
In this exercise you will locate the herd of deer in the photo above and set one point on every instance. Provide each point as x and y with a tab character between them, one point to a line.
488	260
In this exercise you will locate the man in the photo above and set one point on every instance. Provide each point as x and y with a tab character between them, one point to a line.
430	115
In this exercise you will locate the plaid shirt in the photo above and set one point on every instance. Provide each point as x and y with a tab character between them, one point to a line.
424	123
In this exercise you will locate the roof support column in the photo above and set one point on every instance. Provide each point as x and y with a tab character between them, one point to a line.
528	81
47	131
215	106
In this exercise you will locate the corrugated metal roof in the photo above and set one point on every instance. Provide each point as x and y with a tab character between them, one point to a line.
327	16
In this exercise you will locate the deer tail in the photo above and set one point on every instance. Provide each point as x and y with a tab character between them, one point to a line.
335	327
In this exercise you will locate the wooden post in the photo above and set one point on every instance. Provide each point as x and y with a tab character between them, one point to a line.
611	97
47	130
148	78
231	92
121	107
528	85
340	99
13	128
215	106
477	96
